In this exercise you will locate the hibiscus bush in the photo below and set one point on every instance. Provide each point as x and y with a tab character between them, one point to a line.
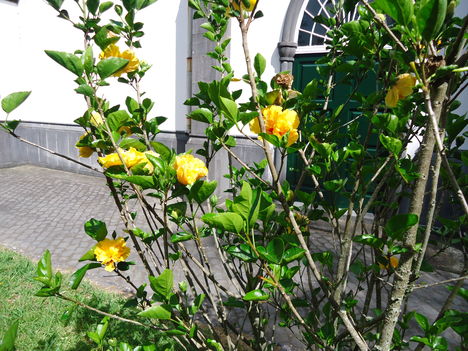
354	177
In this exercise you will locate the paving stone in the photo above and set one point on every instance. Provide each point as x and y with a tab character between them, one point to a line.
45	209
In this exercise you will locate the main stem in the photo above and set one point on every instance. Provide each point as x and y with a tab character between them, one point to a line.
403	272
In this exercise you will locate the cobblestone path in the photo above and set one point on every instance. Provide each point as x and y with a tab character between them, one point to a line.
45	209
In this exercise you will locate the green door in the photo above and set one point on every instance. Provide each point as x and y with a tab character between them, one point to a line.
304	70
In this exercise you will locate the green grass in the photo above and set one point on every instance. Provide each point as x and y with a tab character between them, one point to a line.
40	325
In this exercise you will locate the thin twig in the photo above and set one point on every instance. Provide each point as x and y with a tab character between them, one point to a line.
423	286
114	316
13	134
384	25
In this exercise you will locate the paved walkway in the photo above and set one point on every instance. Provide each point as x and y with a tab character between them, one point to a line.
45	209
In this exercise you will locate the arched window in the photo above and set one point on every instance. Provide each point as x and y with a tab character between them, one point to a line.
312	36
302	34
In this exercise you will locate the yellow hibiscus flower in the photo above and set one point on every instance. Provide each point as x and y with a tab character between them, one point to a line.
113	50
130	157
109	252
96	119
392	262
250	8
84	151
189	169
402	88
125	129
278	122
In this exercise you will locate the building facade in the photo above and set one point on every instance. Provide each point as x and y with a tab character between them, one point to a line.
174	44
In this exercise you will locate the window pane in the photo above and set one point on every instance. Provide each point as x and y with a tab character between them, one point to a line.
304	39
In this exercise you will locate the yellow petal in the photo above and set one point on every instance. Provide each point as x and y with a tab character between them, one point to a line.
189	169
96	119
392	97
85	151
293	136
405	84
250	8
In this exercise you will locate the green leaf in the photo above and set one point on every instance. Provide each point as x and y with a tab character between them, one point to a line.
393	145
369	239
324	257
89	255
78	276
87	58
69	61
399	224
92	6
96	229
109	66
13	100
179	237
44	266
85	89
46	292
243	202
202	190
141	4
259	64
67	314
294	253
430	16
215	345
354	149
12	124
233	302
162	312
274	251
127	143
102	39
422	321
177	209
226	221
202	115
311	90
162	285
420	339
243	252
334	185
162	150
117	119
272	139
175	332
129	4
439	344
8	340
197	303
56	4
229	108
106	5
256	295
400	10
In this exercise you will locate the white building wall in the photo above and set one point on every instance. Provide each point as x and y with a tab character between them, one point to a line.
264	35
32	26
